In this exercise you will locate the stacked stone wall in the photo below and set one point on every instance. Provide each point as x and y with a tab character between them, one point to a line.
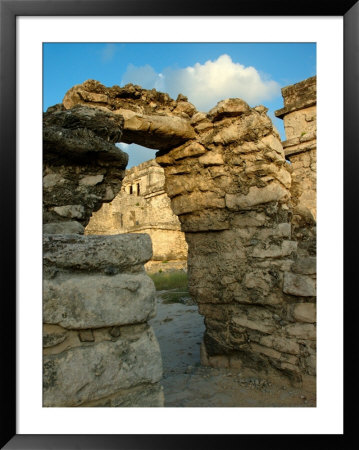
98	349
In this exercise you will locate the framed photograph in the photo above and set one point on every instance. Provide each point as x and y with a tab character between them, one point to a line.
30	33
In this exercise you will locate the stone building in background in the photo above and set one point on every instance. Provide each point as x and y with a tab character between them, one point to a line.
300	122
142	206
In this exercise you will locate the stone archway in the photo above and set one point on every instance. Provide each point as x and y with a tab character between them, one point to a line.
230	186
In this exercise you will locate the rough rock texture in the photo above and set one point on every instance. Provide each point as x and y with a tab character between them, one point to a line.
97	300
251	249
82	166
151	118
142	206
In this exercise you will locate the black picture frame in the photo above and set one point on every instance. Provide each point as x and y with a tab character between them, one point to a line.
9	10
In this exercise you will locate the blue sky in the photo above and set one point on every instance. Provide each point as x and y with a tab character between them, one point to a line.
205	72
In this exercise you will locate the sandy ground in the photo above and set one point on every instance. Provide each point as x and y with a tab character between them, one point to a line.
179	329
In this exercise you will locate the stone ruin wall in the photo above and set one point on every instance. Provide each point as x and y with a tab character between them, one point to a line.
98	347
142	206
251	260
299	115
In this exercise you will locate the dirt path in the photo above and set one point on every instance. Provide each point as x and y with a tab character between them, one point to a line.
179	329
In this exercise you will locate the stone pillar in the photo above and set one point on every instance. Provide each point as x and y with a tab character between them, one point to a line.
98	347
299	115
97	299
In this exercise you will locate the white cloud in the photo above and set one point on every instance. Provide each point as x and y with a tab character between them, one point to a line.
208	83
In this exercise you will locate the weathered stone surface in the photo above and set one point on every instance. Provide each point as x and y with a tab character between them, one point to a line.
88	301
271	193
143	396
305	265
104	124
158	132
90	372
305	312
196	201
53	335
300	285
281	344
82	166
301	331
71	227
275	251
230	107
254	318
70	211
96	253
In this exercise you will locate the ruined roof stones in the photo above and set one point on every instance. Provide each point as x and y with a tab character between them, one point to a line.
151	118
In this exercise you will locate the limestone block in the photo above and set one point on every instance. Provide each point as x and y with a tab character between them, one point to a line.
103	123
248	147
158	132
51	180
91	180
96	253
53	335
274	143
185	107
191	150
230	107
96	370
212	158
305	265
265	351
305	312
227	135
300	285
281	344
281	230
272	192
92	96
254	318
82	301
258	279
198	117
301	331
70	227
248	219
196	201
274	251
311	363
70	211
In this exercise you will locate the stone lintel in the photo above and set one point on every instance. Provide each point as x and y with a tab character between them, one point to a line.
280	113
